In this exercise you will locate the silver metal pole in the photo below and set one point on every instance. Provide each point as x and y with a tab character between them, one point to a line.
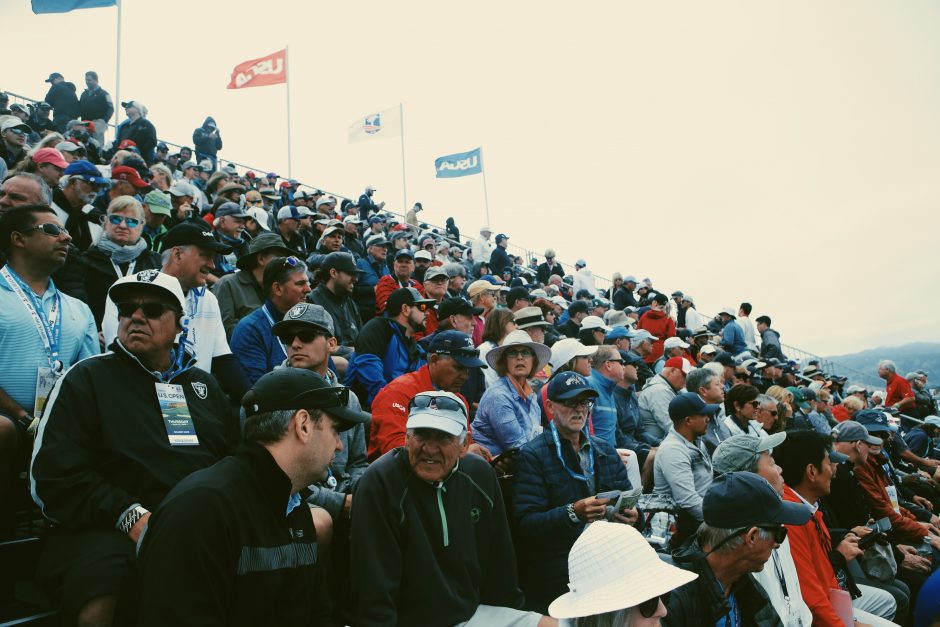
287	71
404	185
117	70
486	195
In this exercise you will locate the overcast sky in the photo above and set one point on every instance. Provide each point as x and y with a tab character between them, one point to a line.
781	153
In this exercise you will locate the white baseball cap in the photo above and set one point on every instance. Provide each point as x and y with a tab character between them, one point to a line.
153	280
673	342
260	216
567	349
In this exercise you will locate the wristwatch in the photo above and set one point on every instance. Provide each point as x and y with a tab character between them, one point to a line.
130	518
574	517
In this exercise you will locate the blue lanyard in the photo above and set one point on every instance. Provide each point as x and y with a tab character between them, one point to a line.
49	327
197	293
267	314
577	476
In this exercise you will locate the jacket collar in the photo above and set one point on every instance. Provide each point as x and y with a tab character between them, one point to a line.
276	484
188	363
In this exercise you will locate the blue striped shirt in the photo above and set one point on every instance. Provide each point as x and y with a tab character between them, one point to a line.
22	351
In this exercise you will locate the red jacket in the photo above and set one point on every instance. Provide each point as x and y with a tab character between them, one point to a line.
659	325
840	413
390	411
813	567
384	288
873	482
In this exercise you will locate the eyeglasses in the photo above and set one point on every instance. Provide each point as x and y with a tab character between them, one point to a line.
49	228
617	361
150	309
443	403
779	535
574	403
132	223
648	607
519	353
304	335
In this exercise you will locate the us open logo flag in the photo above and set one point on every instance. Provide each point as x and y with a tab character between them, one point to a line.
269	70
460	164
386	123
64	6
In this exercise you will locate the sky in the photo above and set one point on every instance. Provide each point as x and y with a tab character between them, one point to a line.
781	153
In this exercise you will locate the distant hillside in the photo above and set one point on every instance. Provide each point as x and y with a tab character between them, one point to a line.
917	356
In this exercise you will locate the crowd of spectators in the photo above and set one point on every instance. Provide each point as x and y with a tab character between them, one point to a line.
242	402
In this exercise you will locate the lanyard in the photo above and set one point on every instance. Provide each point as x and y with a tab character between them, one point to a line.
733	618
577	476
184	336
49	328
778	569
267	314
130	268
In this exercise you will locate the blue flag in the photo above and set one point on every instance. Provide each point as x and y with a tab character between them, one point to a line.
64	6
461	164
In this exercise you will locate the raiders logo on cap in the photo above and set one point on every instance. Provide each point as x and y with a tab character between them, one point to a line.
148	276
297	311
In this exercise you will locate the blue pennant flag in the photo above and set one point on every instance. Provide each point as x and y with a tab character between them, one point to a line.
64	6
460	164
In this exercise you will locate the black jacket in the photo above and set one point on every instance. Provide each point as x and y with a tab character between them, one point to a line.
543	273
499	261
204	141
220	550
102	444
343	310
77	222
624	298
142	132
39	125
69	278
428	555
96	105
700	603
64	103
99	276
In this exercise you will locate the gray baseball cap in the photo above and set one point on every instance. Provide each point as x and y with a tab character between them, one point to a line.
737	452
642	334
851	431
305	314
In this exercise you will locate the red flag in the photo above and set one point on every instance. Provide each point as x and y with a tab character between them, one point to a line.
269	70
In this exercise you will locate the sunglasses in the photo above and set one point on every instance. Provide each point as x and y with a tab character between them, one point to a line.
288	261
772	412
132	223
49	228
574	403
17	131
517	353
150	309
420	306
648	608
337	396
779	535
304	335
618	361
442	403
754	404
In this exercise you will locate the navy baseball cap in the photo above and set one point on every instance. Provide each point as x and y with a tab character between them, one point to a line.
457	345
569	385
193	234
86	171
874	421
745	499
631	359
690	404
457	307
377	219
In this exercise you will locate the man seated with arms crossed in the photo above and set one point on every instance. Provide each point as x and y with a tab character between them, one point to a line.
744	523
235	544
430	538
558	476
119	431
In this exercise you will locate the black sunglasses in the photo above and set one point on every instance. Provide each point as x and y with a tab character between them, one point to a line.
443	403
150	309
779	535
336	396
648	607
49	228
304	335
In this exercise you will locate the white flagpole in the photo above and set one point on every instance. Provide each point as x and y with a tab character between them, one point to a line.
117	71
287	82
404	188
486	196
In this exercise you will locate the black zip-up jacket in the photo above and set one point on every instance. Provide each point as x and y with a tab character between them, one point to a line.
96	105
64	103
701	603
222	550
102	445
142	132
428	555
204	141
99	276
346	320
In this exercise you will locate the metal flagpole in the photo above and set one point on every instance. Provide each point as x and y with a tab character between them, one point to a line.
287	82
486	196
404	187
117	71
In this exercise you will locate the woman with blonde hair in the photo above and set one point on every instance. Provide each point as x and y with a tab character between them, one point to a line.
119	251
162	177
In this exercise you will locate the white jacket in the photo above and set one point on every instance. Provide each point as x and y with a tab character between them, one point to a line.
482	249
584	280
750	337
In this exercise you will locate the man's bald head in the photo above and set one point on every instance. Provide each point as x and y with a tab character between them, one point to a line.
24	189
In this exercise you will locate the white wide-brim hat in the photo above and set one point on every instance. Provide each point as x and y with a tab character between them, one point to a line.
611	567
520	338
